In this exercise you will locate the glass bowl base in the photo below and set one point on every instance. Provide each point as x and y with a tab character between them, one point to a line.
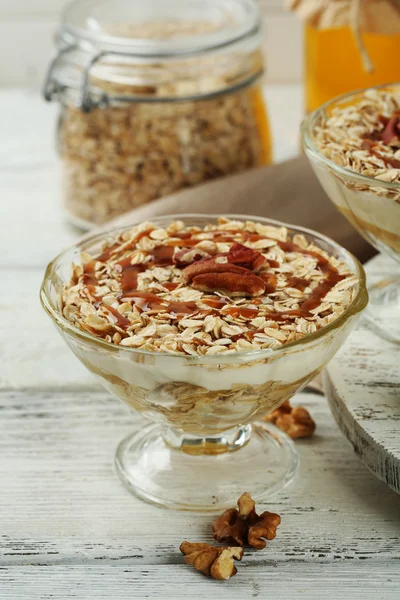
158	473
383	311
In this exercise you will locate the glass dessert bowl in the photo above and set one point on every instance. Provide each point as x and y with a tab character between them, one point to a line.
353	144
204	326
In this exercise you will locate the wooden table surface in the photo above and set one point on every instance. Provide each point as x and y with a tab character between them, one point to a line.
68	528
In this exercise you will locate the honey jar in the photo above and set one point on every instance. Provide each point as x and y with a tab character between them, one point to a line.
348	45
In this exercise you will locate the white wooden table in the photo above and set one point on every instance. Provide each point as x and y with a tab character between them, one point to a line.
68	528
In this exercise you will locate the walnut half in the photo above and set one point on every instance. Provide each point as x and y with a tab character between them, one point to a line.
244	526
217	563
295	421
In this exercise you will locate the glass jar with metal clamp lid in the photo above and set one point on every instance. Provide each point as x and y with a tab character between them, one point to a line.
155	98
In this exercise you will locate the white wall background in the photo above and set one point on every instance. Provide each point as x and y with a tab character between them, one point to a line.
27	28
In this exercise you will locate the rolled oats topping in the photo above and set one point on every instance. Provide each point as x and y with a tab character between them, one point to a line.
364	136
227	287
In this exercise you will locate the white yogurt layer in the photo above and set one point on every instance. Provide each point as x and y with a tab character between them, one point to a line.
286	368
379	211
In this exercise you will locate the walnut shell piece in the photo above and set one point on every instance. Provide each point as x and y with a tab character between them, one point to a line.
244	526
295	421
217	563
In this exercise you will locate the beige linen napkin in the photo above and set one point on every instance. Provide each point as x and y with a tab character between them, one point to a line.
287	191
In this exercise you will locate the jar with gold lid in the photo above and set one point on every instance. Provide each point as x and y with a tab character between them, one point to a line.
349	45
155	98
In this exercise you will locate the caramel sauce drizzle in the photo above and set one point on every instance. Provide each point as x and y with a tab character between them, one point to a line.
170	286
182	308
106	253
391	129
183	243
251	237
147	301
274	264
369	145
144	300
271	281
161	256
241	311
129	273
332	278
214	302
89	280
299	283
122	321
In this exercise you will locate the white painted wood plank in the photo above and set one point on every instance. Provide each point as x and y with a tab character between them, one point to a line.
176	582
267	6
62	503
285	99
28	126
363	386
30	210
25	51
283	48
32	354
27	8
34	9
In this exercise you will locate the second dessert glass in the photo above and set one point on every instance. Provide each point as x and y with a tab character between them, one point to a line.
371	206
202	445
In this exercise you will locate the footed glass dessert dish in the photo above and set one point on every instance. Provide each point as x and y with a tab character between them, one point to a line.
204	326
353	144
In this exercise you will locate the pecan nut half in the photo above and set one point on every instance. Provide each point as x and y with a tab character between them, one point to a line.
207	266
245	257
231	284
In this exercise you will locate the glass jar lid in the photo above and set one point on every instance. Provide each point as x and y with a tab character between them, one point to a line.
161	27
154	49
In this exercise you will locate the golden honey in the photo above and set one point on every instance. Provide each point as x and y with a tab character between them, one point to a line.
334	66
262	122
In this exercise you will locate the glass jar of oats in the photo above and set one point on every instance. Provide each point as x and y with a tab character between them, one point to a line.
154	98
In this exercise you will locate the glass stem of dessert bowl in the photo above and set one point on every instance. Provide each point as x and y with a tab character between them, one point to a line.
205	441
177	470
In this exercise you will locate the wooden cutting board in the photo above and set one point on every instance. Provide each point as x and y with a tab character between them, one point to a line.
362	384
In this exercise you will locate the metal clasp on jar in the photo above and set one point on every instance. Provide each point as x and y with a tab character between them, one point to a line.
88	100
